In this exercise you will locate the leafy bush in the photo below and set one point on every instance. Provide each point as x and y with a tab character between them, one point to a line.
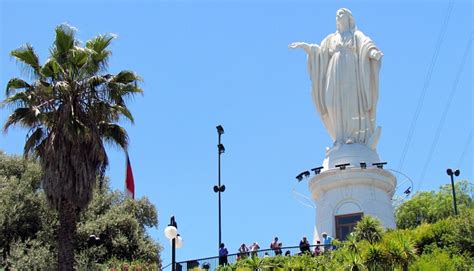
31	255
430	207
440	260
28	226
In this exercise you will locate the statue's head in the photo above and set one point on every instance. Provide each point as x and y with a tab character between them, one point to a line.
344	20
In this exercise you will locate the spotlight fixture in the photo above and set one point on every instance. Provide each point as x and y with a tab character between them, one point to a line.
300	177
451	172
455	173
317	170
379	164
220	129
408	191
93	240
342	166
219	188
363	165
221	148
306	174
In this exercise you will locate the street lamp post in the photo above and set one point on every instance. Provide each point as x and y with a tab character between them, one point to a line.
455	173
171	232
219	188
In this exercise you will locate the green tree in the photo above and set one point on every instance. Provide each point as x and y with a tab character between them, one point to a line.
24	214
120	224
455	235
432	206
28	226
71	109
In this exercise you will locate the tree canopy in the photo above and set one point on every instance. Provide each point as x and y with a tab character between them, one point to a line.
28	226
430	207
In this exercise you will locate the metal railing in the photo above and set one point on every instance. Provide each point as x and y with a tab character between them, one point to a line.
211	263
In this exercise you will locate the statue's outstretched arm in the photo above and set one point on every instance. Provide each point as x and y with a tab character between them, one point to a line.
375	54
304	45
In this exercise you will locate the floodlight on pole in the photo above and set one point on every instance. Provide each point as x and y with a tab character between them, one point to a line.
219	188
456	173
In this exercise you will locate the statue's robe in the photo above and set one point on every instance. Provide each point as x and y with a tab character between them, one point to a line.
345	88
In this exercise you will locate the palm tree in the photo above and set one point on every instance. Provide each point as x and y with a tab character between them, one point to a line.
71	110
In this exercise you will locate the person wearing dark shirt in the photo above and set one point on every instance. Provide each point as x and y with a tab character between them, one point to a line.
223	254
317	249
243	251
276	247
304	246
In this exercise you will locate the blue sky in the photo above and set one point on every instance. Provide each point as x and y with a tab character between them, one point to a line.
206	63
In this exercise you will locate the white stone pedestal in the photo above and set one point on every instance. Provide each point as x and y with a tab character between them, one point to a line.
353	189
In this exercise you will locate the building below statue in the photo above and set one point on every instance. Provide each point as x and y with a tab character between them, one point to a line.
348	187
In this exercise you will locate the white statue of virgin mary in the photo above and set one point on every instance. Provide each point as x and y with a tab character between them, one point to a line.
344	71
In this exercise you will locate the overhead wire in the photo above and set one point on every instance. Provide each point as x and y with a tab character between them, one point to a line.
465	149
445	112
425	86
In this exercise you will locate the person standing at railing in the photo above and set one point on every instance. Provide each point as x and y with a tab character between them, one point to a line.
223	254
317	249
276	247
254	249
243	251
327	241
304	246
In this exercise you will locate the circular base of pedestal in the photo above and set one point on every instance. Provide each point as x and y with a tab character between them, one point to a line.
354	190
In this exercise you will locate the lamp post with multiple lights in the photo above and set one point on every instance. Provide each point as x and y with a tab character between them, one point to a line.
171	232
456	173
219	188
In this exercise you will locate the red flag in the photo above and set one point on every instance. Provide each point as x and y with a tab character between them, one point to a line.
129	182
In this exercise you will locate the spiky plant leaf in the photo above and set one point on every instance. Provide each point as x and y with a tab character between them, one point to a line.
15	84
26	55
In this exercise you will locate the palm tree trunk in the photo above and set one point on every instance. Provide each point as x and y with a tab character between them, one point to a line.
66	232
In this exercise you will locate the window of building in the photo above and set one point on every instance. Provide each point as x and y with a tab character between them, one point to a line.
345	224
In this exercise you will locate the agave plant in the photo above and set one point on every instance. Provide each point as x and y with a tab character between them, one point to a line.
353	261
375	258
71	108
400	250
368	228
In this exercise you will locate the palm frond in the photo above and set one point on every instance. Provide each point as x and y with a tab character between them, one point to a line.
101	42
14	84
126	77
114	134
51	68
79	56
19	99
96	80
100	53
26	55
25	116
33	141
64	38
123	110
118	91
